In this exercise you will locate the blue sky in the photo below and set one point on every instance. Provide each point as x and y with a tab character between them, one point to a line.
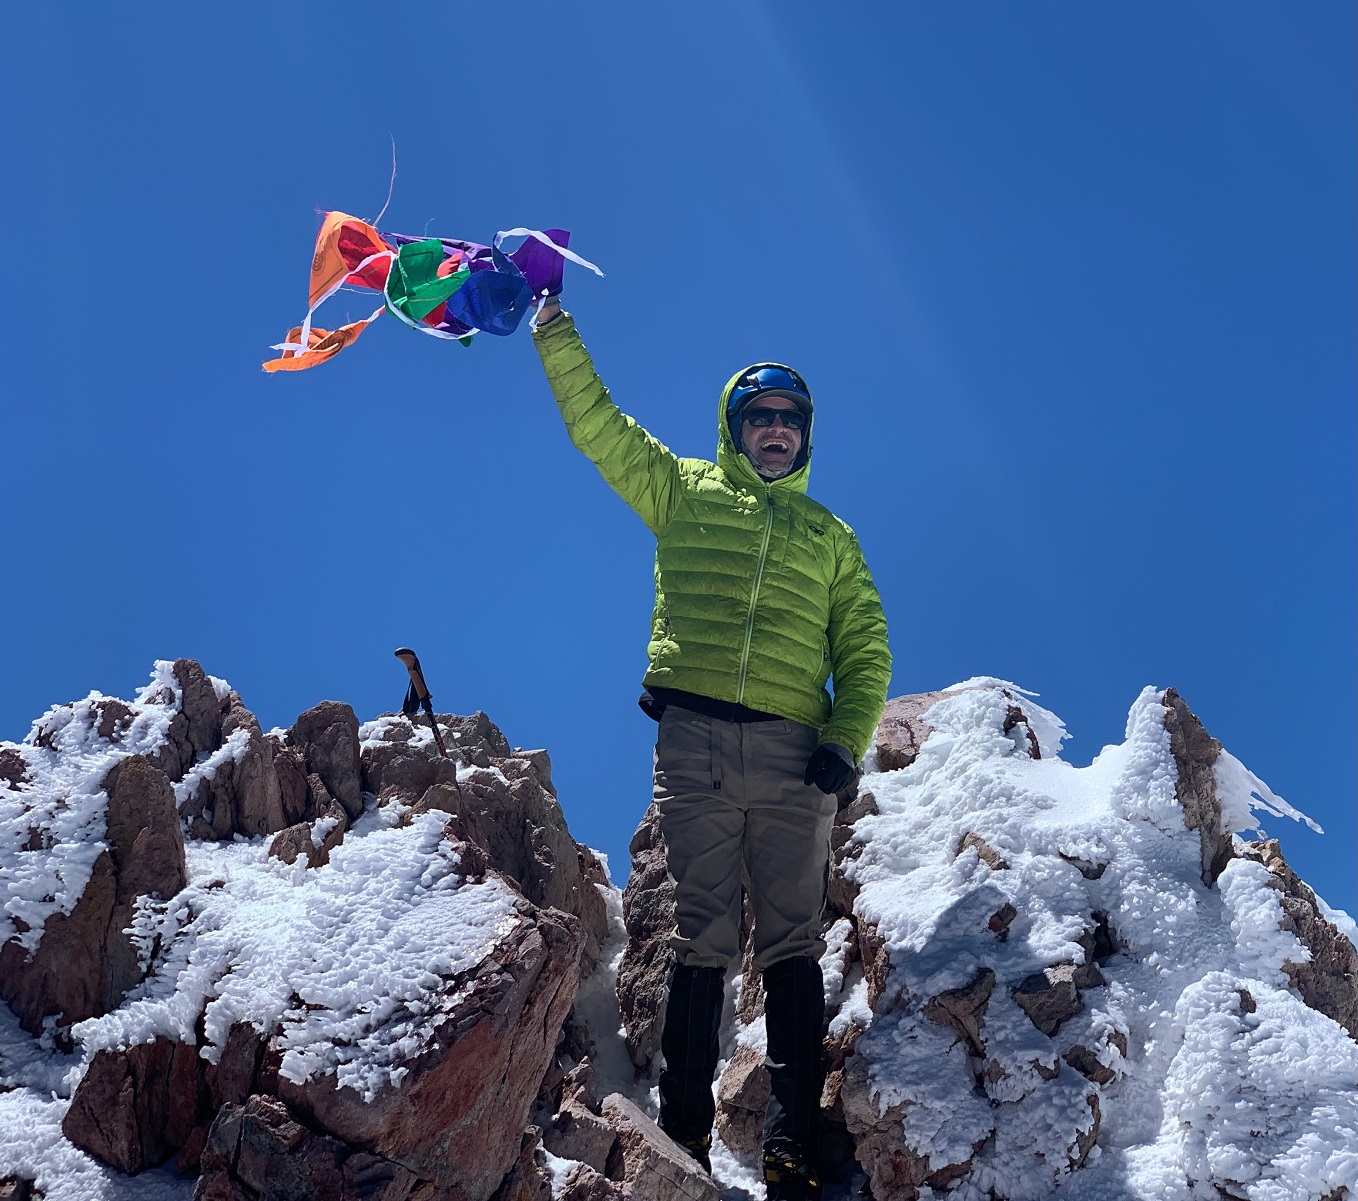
1073	285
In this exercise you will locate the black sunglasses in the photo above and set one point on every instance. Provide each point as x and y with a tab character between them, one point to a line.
793	419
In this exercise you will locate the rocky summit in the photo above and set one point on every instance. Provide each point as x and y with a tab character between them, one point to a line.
328	962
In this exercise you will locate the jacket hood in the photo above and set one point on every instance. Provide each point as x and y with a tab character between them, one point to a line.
738	467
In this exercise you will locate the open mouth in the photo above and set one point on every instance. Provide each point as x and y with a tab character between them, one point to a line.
775	446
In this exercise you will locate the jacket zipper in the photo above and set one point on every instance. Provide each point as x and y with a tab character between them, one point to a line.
754	599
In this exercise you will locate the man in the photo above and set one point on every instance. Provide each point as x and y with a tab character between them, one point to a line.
762	596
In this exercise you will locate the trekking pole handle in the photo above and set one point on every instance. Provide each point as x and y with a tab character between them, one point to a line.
412	662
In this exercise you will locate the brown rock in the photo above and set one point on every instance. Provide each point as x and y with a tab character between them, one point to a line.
1048	1071
841	892
290	771
1015	719
1327	983
895	1170
258	1151
1085	1139
583	1183
876	961
458	1115
837	1049
1101	942
393	770
133	1109
1195	751
541	763
326	736
902	732
1001	920
507	808
1087	975
654	1167
964	1009
300	840
114	718
574	1132
742	1097
1050	997
218	1160
447	798
148	860
1086	868
989	856
581	1085
243	795
527	1180
201	706
13	768
65	976
197	727
525	836
19	1188
84	963
274	1156
235	1075
648	914
252	782
1084	1061
188	1161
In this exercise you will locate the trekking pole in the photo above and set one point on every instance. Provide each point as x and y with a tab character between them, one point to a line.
417	695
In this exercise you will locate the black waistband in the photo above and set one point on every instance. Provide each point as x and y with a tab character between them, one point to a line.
654	702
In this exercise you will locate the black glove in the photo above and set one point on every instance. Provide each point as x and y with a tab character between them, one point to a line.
830	767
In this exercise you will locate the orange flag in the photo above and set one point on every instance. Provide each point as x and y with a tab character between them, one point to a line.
343	243
322	344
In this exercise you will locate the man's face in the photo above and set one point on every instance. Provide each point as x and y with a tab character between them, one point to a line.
771	448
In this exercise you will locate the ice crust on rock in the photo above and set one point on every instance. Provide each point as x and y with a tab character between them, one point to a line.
232	750
1260	1102
345	957
351	967
58	809
994	892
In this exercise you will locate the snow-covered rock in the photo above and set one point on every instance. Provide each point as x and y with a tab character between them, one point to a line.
361	998
330	962
1092	983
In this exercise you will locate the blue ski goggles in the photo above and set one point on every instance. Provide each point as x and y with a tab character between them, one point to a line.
767	379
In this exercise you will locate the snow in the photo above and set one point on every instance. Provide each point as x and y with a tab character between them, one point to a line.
392	727
1262	1103
1230	1079
31	1142
322	828
596	1005
52	829
1239	790
33	1147
350	958
357	962
231	751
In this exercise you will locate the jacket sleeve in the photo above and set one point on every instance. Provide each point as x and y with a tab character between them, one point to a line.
859	657
637	466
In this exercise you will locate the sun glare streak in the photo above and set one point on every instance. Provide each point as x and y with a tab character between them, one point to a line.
878	257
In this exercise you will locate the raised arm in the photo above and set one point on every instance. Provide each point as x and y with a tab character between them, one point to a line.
637	466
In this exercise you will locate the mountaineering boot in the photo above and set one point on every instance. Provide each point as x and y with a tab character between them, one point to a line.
688	1042
700	1149
789	1178
794	1016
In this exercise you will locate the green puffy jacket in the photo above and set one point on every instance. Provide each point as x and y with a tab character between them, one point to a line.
761	594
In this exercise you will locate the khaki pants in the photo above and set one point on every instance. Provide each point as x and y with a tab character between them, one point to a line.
731	800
